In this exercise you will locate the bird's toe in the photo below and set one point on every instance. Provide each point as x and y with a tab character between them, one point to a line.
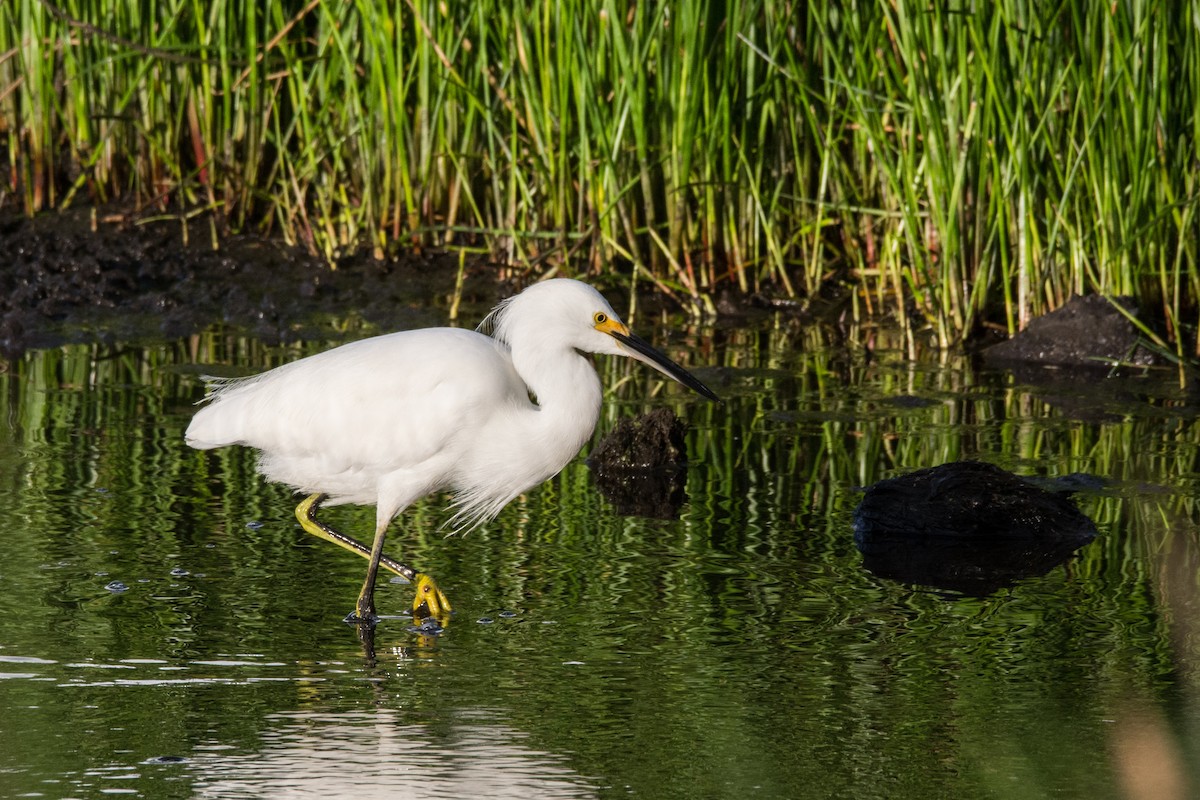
362	617
430	600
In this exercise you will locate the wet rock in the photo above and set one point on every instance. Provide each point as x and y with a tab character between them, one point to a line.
968	527
972	500
166	760
639	465
655	439
1086	332
426	627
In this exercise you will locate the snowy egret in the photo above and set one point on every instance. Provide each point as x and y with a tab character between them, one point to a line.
390	419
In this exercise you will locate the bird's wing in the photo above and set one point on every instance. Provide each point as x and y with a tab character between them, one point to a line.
377	405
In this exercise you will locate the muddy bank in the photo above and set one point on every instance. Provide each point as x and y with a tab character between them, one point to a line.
105	275
64	281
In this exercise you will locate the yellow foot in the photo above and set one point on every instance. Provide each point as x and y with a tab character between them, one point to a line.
430	601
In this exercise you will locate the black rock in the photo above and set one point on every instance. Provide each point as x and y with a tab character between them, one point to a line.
639	466
1086	332
968	527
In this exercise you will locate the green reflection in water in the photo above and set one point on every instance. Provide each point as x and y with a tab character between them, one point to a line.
740	650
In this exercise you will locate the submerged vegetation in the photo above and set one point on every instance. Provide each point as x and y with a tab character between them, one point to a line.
951	163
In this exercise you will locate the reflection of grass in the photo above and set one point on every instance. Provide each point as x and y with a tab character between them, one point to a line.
948	160
740	644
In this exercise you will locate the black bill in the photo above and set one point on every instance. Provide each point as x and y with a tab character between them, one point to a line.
643	352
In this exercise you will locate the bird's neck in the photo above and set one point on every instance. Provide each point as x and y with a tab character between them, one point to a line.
567	391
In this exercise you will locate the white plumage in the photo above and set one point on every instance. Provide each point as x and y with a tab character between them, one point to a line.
390	419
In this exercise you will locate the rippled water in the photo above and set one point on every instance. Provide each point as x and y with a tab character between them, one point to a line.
167	630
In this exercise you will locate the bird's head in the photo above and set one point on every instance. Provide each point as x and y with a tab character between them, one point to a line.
577	315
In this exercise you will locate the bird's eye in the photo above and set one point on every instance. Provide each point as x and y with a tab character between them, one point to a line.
600	318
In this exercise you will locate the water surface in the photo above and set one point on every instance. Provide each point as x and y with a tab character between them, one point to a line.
167	630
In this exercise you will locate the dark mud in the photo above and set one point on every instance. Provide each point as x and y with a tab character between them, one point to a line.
105	275
66	279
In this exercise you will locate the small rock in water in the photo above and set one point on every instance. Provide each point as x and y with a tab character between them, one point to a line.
653	440
508	614
116	587
639	466
429	627
179	572
967	527
485	620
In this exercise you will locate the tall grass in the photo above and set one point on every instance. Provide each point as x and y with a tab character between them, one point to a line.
951	162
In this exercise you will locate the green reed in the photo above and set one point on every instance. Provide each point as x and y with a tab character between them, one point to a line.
951	163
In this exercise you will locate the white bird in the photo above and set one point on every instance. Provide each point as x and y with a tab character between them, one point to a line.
390	419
